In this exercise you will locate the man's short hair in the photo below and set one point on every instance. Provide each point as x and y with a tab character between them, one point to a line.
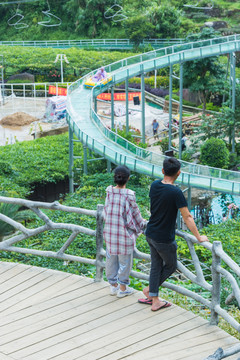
171	166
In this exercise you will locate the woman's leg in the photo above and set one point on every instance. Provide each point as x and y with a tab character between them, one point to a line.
125	267
112	266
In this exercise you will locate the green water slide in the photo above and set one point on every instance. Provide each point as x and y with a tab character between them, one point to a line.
89	129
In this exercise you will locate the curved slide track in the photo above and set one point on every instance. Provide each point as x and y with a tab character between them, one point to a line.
87	126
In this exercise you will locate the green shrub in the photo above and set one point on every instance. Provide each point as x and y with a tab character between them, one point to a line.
162	81
164	144
187	155
39	161
214	153
237	148
19	81
233	160
177	98
40	62
5	168
211	107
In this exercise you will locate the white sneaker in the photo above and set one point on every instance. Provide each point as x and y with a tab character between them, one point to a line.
127	292
114	289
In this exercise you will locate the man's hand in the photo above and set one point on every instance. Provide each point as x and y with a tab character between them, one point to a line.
188	219
203	238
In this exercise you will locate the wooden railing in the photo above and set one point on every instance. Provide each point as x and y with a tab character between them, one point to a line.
196	276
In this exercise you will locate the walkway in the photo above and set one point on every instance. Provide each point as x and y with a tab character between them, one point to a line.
47	314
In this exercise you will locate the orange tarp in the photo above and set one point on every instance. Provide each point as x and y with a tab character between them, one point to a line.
119	96
53	91
104	96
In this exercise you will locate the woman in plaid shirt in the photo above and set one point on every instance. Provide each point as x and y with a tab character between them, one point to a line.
123	224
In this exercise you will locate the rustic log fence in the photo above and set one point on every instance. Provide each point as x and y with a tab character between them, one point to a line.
218	255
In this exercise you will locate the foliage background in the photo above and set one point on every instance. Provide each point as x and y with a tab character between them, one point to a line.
88	18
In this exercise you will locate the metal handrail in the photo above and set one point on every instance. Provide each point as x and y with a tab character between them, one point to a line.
104	43
32	88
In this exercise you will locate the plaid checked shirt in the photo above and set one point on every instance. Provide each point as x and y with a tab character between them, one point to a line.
123	221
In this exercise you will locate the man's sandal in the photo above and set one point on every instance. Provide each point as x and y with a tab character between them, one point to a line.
145	301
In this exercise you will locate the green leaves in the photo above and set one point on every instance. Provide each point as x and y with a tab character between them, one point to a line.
40	161
214	153
40	61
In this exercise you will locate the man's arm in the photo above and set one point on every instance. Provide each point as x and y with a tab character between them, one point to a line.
189	221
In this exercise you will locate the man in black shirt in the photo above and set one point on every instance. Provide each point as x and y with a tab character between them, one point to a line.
165	201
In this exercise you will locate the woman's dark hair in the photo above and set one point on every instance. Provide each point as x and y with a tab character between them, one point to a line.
121	175
171	166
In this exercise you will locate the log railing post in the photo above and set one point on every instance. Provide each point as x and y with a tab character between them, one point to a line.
216	282
99	244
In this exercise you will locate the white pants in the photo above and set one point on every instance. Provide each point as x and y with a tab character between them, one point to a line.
118	268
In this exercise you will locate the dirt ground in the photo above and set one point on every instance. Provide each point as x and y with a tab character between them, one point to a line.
18	119
21	128
135	116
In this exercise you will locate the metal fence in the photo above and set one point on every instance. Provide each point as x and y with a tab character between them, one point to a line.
32	90
106	44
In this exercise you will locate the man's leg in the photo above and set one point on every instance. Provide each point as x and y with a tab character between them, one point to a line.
156	269
155	272
168	253
163	264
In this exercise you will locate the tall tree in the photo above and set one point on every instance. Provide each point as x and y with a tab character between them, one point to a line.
205	76
138	28
166	20
92	16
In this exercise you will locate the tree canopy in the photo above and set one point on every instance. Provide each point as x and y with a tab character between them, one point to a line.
205	76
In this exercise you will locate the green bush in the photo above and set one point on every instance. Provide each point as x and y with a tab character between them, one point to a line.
164	144
211	107
19	81
42	161
237	148
5	168
40	62
233	160
39	161
214	153
187	155
177	98
162	81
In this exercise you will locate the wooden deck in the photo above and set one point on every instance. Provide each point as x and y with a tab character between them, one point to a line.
46	314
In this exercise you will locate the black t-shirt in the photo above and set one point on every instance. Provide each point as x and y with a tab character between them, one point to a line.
165	201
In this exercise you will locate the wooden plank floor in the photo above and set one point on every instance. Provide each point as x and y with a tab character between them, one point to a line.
47	314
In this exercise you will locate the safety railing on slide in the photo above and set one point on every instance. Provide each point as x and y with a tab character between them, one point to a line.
127	69
152	163
136	59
